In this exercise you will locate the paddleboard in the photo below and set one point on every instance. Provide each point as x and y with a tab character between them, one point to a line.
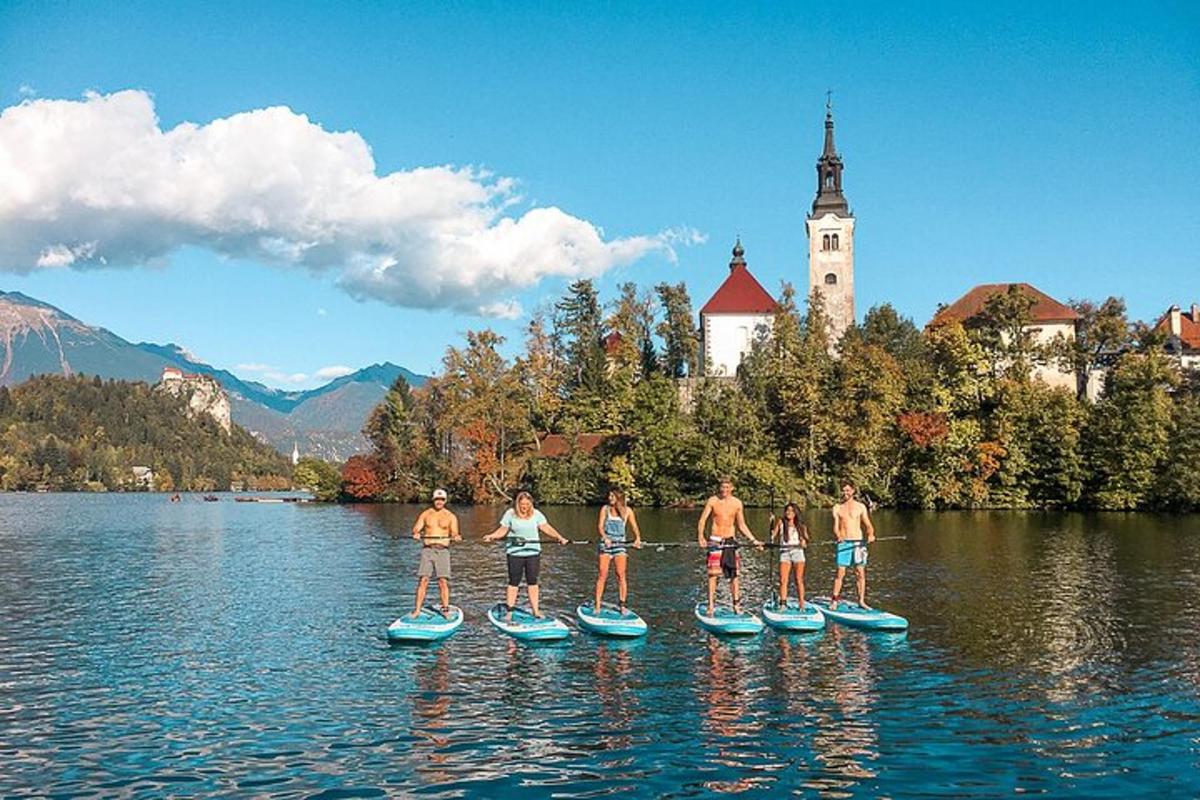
725	622
848	612
792	617
610	621
428	626
525	626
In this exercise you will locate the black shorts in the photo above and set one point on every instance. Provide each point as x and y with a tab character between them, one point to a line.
729	563
529	566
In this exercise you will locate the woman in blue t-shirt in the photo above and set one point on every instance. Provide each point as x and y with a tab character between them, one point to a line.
522	525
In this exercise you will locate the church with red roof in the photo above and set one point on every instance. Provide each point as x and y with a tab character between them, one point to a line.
740	311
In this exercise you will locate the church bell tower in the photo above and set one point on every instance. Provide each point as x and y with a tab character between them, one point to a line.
831	239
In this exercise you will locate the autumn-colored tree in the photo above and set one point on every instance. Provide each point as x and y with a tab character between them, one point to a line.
361	481
542	372
485	412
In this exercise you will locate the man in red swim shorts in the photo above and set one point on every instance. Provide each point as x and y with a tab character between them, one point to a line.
728	519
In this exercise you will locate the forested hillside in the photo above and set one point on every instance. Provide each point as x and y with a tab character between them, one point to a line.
81	433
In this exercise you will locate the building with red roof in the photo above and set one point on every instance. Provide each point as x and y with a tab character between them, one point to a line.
1049	320
1044	311
1183	334
740	311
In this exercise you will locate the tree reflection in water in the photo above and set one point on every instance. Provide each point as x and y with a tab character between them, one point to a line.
845	738
729	725
430	703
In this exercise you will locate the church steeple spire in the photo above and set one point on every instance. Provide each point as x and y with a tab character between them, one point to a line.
830	199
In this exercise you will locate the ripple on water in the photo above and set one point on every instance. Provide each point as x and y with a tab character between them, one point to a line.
150	650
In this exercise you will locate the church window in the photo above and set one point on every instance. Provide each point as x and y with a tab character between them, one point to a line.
835	241
825	242
829	180
830	279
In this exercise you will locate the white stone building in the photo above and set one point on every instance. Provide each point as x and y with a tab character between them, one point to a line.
1049	320
831	240
738	312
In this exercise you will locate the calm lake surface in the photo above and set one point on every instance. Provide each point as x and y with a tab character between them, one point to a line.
234	649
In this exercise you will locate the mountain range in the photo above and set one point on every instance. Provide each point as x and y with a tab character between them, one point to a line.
36	338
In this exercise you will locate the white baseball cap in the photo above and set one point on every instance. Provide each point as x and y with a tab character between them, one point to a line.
439	494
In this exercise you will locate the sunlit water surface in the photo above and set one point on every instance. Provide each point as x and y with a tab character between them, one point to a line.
229	649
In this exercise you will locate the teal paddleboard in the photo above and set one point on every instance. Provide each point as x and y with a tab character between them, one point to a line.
610	621
525	626
791	617
726	622
428	626
847	612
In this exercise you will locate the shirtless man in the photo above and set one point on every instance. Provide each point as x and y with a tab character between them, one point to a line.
728	519
849	519
436	526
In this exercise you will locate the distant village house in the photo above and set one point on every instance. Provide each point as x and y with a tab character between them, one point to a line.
1182	329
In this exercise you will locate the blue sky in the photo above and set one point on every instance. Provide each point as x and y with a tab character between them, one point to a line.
1054	146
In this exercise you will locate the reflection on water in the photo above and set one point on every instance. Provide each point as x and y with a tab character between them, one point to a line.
149	649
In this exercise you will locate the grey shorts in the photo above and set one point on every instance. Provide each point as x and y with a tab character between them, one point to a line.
791	555
435	561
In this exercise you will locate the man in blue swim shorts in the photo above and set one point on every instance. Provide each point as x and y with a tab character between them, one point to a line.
850	521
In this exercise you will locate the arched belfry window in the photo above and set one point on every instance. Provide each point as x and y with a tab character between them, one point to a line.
829	180
835	241
830	279
825	242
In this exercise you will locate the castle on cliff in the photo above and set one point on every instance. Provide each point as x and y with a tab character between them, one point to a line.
204	395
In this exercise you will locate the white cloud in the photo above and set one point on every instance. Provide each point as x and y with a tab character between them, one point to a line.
329	373
322	312
271	374
98	181
25	90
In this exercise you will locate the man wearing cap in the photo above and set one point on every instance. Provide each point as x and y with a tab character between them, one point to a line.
435	528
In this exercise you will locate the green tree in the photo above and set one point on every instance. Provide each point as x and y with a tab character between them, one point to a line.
579	325
1002	329
321	478
867	397
1102	332
1127	437
681	348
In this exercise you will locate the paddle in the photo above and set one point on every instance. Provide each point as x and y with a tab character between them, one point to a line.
865	543
543	541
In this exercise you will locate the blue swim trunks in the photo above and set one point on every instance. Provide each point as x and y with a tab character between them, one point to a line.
851	553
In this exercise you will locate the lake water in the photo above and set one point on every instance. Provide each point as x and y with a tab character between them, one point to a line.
228	649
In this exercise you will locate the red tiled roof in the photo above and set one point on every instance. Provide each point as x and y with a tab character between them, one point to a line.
740	294
1189	328
611	342
1045	308
555	445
